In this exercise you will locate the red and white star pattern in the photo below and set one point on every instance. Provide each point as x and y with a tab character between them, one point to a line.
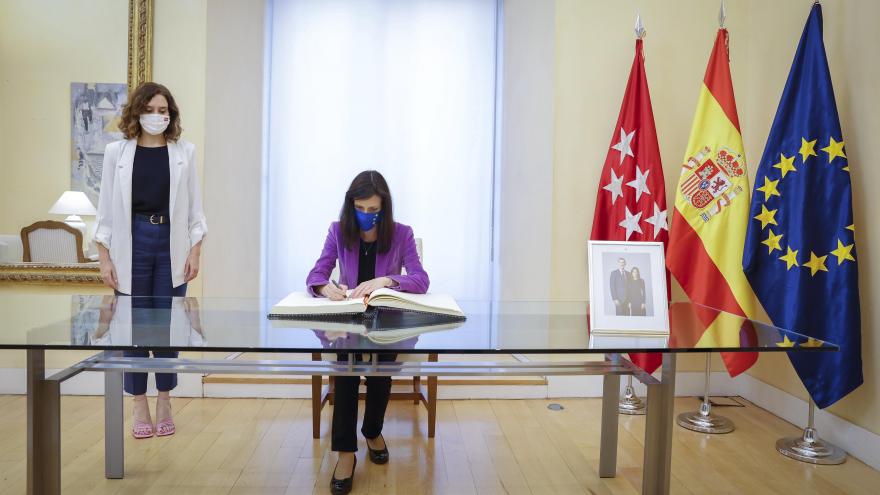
647	218
631	199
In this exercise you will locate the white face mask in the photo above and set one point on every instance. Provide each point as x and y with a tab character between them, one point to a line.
154	123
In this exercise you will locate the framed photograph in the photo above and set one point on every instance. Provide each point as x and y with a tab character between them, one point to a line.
628	288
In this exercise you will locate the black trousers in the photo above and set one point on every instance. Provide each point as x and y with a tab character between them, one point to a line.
345	407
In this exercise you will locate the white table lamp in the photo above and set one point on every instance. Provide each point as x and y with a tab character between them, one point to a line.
74	204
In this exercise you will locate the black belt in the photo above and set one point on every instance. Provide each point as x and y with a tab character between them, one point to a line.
155	219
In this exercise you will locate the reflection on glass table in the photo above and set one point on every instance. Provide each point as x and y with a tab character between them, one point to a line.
492	327
532	328
119	324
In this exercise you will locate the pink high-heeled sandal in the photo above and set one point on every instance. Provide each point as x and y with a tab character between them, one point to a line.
139	429
165	427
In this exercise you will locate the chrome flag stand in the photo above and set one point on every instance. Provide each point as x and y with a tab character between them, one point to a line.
703	420
808	448
630	402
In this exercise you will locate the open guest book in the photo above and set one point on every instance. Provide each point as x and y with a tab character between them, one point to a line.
385	326
302	306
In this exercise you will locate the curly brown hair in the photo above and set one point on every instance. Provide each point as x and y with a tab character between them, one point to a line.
137	104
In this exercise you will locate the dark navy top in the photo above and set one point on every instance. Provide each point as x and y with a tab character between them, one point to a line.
366	262
150	181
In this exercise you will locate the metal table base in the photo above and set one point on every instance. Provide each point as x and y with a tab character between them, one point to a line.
44	402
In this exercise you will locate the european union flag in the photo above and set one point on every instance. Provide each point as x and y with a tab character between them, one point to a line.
800	254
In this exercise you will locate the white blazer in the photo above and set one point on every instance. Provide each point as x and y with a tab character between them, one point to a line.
113	221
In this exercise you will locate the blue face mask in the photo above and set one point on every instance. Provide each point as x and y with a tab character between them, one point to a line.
366	221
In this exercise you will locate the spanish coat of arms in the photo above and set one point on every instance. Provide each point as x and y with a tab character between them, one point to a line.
708	183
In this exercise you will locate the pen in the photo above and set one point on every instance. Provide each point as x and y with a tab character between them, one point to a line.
338	287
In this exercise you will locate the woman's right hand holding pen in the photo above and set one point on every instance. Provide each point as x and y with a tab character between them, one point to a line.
334	291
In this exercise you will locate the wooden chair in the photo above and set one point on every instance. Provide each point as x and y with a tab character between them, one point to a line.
426	395
49	241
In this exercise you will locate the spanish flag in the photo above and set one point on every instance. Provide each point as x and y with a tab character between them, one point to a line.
711	213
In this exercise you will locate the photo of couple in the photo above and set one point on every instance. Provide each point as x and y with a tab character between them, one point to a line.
628	287
628	291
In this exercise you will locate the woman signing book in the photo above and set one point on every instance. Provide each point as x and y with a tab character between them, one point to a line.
372	249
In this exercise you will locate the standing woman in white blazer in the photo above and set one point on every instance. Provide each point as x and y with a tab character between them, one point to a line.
149	229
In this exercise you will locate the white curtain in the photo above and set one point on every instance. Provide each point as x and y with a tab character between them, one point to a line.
406	87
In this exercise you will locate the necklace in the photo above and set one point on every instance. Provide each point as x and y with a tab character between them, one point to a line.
367	247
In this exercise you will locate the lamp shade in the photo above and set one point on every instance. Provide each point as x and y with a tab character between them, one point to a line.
73	203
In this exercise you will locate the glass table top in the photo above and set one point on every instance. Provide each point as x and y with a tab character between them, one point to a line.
241	324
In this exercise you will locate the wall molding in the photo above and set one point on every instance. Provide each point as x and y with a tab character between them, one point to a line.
140	42
71	274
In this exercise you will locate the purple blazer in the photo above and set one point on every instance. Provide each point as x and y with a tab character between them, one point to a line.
403	254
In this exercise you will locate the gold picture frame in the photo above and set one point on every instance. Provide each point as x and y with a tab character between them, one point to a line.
79	274
140	42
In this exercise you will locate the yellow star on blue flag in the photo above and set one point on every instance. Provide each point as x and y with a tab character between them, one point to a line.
809	206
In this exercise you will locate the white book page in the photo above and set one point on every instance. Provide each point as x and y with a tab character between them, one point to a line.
434	303
301	303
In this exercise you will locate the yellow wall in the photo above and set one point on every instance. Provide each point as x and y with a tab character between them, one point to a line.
594	52
179	45
233	147
44	46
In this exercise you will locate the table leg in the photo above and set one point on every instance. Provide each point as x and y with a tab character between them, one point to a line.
317	400
608	439
431	402
658	431
114	445
43	427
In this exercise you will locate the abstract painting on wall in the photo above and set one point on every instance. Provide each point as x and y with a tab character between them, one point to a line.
96	109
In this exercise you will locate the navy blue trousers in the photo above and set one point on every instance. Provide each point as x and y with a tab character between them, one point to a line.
151	316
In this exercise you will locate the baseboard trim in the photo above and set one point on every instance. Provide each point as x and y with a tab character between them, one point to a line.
860	443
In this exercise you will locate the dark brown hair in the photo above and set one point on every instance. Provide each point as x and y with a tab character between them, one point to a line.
365	185
130	124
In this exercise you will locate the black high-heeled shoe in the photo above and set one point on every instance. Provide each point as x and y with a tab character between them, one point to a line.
343	486
378	456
